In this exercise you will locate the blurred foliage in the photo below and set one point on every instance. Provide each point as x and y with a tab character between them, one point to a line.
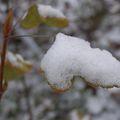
15	67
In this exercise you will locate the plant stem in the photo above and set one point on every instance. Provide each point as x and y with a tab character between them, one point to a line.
3	55
7	27
36	36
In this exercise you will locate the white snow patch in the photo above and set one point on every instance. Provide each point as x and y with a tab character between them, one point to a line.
71	56
11	58
74	115
48	11
16	59
112	36
19	57
95	105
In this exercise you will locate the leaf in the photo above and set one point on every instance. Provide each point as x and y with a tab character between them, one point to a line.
8	23
52	17
61	86
32	18
39	14
71	57
15	66
56	22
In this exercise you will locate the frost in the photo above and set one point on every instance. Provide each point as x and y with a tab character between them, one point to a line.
69	57
48	11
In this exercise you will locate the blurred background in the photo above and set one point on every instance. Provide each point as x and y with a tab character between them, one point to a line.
30	97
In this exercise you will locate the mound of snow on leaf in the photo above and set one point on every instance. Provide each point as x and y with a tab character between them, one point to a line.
70	56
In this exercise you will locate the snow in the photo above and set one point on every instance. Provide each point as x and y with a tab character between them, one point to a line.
112	36
95	105
11	58
16	59
71	56
19	57
74	115
48	11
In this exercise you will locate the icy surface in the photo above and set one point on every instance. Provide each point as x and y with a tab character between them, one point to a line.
70	56
48	11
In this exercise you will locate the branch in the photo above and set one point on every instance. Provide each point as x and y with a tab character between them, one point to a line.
32	35
6	33
3	55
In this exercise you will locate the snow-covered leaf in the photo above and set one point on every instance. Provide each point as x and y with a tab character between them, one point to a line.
32	18
43	14
70	56
15	66
52	16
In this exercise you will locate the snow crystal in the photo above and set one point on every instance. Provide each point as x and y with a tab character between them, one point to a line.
71	56
48	11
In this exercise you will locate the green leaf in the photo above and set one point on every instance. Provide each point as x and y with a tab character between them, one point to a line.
32	18
15	66
38	14
56	22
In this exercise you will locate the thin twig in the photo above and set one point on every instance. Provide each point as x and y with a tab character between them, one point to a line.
35	36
